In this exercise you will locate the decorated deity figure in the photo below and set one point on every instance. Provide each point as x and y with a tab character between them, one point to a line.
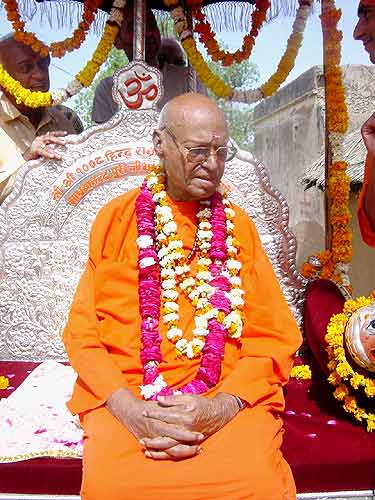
360	337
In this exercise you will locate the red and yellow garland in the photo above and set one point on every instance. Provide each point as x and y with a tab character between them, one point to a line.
57	49
207	36
332	263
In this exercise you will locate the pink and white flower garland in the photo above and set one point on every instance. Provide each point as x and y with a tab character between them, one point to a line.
215	291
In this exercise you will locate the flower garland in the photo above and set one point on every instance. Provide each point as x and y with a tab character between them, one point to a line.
207	36
215	291
83	79
342	375
57	49
4	382
334	262
213	82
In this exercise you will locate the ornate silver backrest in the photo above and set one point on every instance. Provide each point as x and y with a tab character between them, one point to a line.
45	223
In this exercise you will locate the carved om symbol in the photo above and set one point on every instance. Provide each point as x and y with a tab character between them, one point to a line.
134	86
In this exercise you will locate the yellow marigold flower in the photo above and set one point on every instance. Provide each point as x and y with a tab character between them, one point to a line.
350	404
302	372
370	387
371	422
341	392
357	380
334	378
344	370
4	382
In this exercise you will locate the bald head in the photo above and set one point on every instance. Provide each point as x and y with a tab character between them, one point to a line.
191	143
187	110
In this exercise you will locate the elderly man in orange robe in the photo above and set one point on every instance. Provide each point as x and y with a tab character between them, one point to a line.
180	334
365	31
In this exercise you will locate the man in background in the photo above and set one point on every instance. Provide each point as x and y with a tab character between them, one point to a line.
32	130
365	32
165	54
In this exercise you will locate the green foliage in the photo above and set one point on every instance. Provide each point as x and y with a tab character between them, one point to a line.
83	102
239	76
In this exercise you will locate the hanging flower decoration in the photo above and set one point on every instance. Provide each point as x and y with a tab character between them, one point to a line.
207	36
342	376
56	49
214	83
334	262
215	290
83	79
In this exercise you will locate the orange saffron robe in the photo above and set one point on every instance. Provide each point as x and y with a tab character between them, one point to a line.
102	338
367	230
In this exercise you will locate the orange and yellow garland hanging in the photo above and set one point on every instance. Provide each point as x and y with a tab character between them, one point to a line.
56	49
207	36
333	262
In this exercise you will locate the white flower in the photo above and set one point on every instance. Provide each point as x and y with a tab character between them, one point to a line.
186	283
169	228
204	262
173	245
235	281
202	302
167	272
146	262
170	317
152	181
234	264
192	347
170	294
235	319
204	275
182	269
201	332
201	321
204	235
205	225
229	212
181	345
230	225
168	284
159	196
232	250
236	301
172	306
173	333
145	241
147	391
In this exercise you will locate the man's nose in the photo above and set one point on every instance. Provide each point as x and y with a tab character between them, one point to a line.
359	30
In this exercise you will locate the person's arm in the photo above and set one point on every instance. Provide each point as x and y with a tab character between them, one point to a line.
103	107
270	337
366	202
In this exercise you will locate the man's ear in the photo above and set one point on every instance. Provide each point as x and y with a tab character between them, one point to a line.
157	139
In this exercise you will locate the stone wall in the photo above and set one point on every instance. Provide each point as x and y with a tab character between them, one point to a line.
290	135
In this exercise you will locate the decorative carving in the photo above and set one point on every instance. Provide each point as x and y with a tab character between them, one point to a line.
45	223
137	86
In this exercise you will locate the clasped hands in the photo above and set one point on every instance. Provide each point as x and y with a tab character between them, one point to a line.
174	426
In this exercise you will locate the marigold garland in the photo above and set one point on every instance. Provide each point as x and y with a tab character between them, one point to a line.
212	81
57	49
207	36
334	264
342	375
83	79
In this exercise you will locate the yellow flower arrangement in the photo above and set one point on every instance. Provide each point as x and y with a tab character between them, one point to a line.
214	83
339	255
342	375
83	79
57	49
301	372
4	382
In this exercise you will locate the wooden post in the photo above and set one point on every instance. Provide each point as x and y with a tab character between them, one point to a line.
328	151
139	30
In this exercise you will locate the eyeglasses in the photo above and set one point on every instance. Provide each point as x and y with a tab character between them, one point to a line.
201	154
